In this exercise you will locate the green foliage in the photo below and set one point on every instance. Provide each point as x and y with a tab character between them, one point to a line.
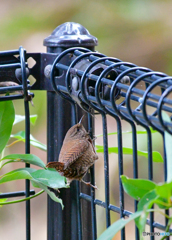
136	188
2	200
27	158
20	136
7	116
145	191
20	118
117	226
129	132
43	178
129	151
148	193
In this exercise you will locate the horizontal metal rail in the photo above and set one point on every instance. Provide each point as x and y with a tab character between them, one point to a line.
16	194
117	210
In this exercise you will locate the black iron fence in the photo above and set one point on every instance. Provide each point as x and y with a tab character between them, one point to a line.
80	81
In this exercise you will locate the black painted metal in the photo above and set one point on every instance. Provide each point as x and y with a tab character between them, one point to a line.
16	194
27	136
125	87
62	114
13	68
79	80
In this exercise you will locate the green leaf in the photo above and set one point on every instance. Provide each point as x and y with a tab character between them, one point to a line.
21	136
129	132
47	177
117	226
145	204
21	200
51	194
22	173
164	190
168	148
39	178
7	115
99	147
137	188
34	142
129	151
2	200
20	118
27	158
50	178
147	200
168	225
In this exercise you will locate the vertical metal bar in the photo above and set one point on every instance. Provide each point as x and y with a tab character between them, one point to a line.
76	206
78	211
27	150
93	207
135	167
106	168
76	186
120	168
165	158
165	176
27	136
150	173
85	206
82	209
150	160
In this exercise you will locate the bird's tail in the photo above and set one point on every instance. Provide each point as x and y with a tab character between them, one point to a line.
59	166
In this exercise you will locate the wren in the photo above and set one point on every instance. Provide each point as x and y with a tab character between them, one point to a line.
77	154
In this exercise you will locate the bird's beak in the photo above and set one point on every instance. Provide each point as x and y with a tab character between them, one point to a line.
81	119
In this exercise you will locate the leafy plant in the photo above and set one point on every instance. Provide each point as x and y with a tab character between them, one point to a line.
128	150
43	178
147	193
7	115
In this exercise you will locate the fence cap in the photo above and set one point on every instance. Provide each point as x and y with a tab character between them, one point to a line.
70	34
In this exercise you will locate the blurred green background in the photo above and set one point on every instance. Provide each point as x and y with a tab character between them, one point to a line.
136	31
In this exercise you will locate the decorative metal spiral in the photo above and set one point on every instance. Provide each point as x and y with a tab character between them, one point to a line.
95	81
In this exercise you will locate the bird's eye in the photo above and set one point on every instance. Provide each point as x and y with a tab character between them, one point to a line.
77	129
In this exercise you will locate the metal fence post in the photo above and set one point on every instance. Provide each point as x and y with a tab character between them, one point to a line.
62	224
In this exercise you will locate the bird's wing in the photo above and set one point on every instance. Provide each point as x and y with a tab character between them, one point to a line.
72	150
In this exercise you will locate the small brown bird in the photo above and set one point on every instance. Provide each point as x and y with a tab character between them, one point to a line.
76	156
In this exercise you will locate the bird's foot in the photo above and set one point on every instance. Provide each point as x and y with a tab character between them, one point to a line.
89	184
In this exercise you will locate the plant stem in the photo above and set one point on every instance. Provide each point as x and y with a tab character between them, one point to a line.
159	211
23	199
11	144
